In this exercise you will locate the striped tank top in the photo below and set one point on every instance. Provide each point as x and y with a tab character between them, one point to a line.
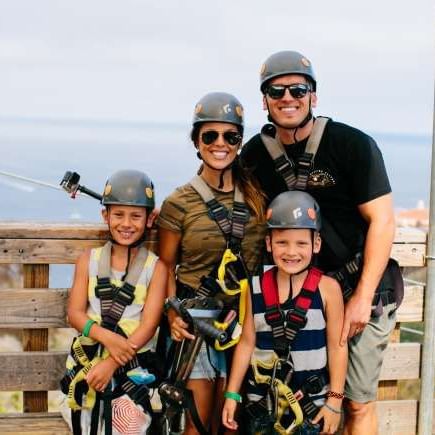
308	352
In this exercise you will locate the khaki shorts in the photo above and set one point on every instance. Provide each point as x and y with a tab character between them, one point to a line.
366	352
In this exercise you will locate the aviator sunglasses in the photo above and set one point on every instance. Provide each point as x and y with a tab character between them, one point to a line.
297	90
231	137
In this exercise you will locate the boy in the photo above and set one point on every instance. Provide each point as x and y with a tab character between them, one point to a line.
293	331
116	301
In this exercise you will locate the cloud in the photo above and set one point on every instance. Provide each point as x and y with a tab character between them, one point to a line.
147	60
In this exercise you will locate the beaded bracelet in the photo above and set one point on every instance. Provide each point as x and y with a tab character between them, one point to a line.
335	395
235	396
334	410
87	328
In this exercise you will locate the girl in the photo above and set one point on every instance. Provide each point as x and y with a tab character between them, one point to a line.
116	302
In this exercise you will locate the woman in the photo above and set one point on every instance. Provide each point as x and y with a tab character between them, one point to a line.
192	235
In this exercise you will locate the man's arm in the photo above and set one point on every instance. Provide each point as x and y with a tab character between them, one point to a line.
379	215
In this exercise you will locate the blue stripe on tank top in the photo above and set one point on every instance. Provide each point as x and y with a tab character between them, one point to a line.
305	340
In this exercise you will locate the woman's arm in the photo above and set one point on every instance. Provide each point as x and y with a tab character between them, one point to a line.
240	365
169	245
337	354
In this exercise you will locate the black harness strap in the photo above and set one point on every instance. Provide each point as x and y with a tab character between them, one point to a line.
233	229
114	300
284	165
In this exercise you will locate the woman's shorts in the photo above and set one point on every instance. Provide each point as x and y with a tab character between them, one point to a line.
210	364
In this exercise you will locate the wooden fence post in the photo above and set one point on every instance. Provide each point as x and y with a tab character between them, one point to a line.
35	276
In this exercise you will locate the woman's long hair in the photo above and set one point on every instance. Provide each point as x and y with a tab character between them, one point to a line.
255	198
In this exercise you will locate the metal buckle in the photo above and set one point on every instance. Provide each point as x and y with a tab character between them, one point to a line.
126	294
274	316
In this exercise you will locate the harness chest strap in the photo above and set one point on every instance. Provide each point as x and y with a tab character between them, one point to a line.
230	228
285	166
284	330
113	305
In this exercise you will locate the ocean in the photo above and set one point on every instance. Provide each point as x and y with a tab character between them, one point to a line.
44	149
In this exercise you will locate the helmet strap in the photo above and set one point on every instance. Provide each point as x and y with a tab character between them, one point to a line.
221	171
304	122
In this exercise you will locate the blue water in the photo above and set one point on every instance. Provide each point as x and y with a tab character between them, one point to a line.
45	149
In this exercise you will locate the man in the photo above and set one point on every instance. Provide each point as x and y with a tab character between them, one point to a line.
347	177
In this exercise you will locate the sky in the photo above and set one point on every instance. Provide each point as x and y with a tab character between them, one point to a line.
150	61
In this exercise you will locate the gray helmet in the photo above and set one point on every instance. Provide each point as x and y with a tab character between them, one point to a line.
286	62
218	107
129	187
294	209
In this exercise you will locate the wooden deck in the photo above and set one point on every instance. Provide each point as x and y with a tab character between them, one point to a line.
35	308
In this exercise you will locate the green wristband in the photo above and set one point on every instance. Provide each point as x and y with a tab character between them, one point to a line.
235	396
87	328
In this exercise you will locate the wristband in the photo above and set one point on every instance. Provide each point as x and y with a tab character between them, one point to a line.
87	328
235	396
334	410
335	395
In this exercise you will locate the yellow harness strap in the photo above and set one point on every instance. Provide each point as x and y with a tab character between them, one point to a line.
243	290
283	394
90	396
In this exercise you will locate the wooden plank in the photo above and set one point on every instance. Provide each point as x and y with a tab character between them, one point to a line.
50	251
33	308
38	371
410	235
401	361
66	251
46	308
58	230
35	423
397	417
36	251
31	371
411	309
409	254
52	230
387	390
35	275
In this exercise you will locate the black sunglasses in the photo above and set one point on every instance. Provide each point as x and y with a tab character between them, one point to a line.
231	137
297	90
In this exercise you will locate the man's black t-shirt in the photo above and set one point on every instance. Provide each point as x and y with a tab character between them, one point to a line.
348	170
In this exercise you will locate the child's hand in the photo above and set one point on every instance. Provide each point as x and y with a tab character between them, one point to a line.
100	375
228	412
178	327
331	419
120	349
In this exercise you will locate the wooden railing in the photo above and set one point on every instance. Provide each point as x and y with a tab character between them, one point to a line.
36	308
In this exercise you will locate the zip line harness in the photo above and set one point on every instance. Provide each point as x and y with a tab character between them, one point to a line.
276	373
86	353
224	293
231	279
